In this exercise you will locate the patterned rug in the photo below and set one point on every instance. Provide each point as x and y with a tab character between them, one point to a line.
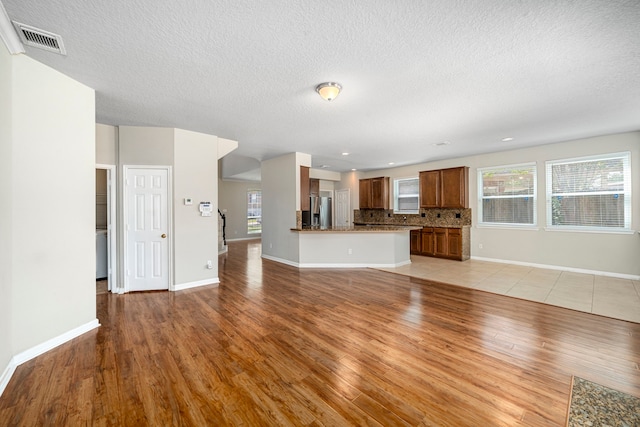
595	405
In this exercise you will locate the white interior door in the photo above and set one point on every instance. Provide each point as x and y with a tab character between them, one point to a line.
147	229
342	207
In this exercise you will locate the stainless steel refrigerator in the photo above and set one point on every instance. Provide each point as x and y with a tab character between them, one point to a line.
321	211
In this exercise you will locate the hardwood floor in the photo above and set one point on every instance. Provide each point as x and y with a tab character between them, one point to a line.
274	345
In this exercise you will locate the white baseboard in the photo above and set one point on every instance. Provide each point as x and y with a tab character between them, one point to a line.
245	238
334	265
7	374
39	349
280	260
559	267
189	285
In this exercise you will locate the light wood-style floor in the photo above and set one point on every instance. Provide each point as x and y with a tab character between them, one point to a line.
274	345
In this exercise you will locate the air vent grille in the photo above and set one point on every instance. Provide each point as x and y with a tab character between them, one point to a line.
36	37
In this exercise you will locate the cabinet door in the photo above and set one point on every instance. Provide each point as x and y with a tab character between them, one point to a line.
430	189
416	241
365	194
454	188
455	243
441	247
314	187
305	204
427	242
380	193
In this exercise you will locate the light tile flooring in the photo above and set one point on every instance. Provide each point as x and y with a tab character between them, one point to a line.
606	296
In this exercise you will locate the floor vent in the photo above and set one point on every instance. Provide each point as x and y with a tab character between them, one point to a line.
36	37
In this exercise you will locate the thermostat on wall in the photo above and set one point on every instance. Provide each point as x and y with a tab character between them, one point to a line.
188	201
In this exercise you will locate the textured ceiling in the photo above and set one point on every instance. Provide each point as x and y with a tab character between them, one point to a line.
414	73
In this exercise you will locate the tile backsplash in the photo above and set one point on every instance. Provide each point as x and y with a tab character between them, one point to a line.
432	217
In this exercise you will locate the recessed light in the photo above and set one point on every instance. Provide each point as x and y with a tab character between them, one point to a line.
354	169
345	154
440	144
507	139
391	163
325	166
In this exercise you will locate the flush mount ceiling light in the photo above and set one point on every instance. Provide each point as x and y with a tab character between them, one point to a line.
329	90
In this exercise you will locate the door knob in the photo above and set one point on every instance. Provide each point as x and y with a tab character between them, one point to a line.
164	236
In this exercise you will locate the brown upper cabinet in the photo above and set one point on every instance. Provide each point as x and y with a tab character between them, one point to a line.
445	188
374	193
305	203
314	187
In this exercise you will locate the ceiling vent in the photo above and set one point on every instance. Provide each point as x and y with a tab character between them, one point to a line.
36	37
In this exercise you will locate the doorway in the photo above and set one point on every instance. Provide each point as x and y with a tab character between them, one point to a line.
105	228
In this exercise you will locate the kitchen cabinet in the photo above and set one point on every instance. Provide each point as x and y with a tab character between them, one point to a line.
415	242
427	242
440	242
374	193
305	203
314	187
445	188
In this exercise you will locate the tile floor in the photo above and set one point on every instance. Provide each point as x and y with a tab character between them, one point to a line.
606	296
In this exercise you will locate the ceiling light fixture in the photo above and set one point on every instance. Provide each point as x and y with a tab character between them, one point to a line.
507	139
329	90
345	154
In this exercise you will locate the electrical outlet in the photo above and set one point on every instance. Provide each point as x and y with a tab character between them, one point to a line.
350	251
209	264
480	246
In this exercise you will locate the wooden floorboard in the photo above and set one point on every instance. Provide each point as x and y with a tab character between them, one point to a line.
274	345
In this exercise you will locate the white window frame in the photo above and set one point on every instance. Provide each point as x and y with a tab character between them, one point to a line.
396	183
534	196
626	158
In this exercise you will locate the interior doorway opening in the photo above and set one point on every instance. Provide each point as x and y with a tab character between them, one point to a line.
105	197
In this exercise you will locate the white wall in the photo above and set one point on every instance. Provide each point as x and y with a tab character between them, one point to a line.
195	175
233	198
47	160
280	201
6	217
600	252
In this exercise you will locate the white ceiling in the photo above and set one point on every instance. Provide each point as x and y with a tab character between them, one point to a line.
414	73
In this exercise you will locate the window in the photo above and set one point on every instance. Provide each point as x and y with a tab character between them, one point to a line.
507	195
254	211
406	195
590	193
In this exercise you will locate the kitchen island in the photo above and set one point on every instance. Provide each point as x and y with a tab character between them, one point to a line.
353	247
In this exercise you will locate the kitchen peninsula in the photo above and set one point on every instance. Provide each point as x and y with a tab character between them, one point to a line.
354	247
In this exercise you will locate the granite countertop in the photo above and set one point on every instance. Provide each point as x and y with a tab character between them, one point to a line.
361	228
415	226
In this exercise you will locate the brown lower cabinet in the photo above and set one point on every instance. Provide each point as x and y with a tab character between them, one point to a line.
438	242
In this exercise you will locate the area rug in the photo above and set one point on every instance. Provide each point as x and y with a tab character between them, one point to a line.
595	405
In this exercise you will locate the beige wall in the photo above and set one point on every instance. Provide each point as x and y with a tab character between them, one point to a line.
280	201
600	252
193	159
196	237
6	211
106	144
52	263
233	199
